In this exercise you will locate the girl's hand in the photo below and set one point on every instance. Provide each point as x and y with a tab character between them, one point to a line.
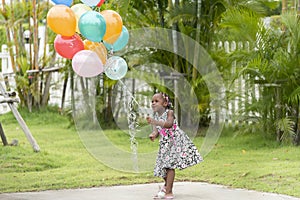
150	120
152	136
155	122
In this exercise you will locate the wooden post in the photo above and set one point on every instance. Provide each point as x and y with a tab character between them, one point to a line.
21	122
3	138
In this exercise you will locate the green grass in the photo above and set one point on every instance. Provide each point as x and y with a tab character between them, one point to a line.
247	161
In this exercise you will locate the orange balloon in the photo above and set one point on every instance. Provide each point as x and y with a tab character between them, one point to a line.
98	48
114	25
62	20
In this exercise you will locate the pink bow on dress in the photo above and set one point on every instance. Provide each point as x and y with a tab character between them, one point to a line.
164	133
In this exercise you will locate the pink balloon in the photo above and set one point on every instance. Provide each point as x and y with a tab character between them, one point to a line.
67	47
86	63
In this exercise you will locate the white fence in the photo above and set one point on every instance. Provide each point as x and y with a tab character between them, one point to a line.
242	91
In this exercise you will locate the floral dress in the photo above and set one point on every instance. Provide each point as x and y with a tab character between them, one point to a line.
176	150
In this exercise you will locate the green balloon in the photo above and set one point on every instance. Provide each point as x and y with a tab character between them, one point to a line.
92	26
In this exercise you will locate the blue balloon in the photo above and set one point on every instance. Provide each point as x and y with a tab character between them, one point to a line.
120	43
92	26
63	2
115	68
90	2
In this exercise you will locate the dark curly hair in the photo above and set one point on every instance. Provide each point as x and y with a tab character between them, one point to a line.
167	99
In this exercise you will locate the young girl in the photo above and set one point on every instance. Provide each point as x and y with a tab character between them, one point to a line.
176	150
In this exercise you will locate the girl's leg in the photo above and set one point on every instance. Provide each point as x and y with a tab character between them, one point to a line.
165	179
170	180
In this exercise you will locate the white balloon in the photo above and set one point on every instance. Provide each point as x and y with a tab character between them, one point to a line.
115	68
86	63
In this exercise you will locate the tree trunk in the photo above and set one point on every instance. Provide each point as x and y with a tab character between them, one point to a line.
14	32
278	112
176	66
37	96
64	92
198	31
297	136
84	88
35	37
46	94
8	38
284	6
108	110
72	92
161	13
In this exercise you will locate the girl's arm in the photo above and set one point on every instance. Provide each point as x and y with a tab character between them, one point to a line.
164	124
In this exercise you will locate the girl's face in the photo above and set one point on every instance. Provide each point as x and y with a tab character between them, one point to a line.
159	104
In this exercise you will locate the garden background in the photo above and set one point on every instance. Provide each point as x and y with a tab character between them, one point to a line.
255	45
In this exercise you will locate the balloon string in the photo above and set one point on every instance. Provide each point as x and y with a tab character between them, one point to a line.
132	125
129	92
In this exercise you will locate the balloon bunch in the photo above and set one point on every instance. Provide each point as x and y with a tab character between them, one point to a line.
85	36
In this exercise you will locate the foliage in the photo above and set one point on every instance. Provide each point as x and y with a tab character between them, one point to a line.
16	17
272	63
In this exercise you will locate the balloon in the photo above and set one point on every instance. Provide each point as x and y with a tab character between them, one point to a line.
113	25
61	19
115	68
92	26
100	3
63	2
90	2
67	47
98	48
79	10
86	63
121	41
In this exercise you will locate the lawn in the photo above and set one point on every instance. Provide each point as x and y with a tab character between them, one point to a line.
247	161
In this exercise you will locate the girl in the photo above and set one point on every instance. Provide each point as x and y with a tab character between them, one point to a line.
176	150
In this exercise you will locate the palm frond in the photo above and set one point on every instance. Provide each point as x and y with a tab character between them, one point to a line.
186	12
286	126
294	97
243	24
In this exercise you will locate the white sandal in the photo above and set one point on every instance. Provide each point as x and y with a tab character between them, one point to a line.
161	193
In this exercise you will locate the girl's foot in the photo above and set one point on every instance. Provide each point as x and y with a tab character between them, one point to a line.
169	196
161	193
162	188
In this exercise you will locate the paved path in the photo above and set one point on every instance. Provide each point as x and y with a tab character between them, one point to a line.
182	191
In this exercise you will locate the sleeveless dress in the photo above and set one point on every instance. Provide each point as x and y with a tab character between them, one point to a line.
176	150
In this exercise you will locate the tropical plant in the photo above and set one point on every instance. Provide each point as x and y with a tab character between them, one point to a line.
18	16
272	63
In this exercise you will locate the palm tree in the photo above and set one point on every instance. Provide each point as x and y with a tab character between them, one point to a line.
272	63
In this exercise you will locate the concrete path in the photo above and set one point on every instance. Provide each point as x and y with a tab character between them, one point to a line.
182	191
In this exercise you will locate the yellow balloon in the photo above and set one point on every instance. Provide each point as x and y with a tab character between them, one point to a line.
79	9
98	48
114	25
62	20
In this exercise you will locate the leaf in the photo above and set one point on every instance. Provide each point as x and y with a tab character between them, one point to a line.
286	126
